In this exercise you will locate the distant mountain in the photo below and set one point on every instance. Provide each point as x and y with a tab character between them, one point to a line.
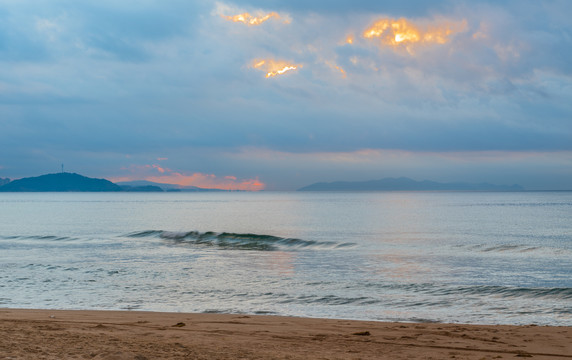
405	184
144	188
4	181
60	182
164	187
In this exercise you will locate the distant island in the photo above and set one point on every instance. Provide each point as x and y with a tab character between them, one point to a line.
59	182
405	184
71	182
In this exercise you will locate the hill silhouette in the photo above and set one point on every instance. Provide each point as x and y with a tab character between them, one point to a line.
163	186
143	188
60	182
405	184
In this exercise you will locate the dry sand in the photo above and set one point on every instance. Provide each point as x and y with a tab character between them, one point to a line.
50	334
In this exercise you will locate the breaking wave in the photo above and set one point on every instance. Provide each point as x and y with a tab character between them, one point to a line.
238	241
513	248
508	292
499	291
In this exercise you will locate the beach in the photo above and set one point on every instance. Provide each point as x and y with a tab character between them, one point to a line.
138	335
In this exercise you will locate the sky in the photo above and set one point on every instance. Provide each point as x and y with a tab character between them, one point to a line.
279	94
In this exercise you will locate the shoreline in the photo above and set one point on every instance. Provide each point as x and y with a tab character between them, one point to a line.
140	335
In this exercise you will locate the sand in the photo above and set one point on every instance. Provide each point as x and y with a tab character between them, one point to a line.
110	335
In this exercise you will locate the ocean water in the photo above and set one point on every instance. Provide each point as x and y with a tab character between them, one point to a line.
464	257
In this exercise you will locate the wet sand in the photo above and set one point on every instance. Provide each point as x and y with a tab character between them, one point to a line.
110	335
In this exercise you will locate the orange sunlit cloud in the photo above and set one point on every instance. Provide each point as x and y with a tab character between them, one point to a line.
208	181
337	68
250	20
395	32
274	67
159	169
162	175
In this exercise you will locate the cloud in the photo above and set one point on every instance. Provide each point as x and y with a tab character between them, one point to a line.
173	79
260	16
402	32
274	67
160	169
250	20
398	8
209	181
163	175
46	30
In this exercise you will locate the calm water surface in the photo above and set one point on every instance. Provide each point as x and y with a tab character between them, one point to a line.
471	257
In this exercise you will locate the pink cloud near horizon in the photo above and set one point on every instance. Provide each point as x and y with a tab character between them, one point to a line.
164	175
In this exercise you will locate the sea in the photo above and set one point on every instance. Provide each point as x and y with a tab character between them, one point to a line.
451	257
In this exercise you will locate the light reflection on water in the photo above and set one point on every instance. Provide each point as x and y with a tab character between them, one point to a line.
455	257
